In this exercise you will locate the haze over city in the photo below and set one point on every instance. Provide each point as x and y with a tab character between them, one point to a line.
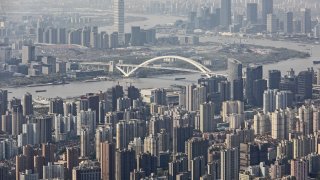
159	89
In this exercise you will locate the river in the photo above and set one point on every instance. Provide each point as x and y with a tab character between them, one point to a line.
150	22
80	88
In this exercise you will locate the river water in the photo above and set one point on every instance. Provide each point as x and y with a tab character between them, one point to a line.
80	88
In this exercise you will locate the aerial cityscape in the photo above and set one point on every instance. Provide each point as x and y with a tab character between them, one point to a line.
159	89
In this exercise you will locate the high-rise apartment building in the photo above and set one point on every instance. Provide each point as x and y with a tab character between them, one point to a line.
207	123
86	170
84	142
125	163
229	164
107	161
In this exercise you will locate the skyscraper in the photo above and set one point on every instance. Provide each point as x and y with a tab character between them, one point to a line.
225	13
84	142
197	167
28	151
195	95
261	124
288	23
133	93
231	107
56	106
119	19
72	160
267	8
3	101
125	163
235	79
48	151
253	73
304	85
21	165
272	25
38	162
28	54
249	155
126	131
252	13
113	94
107	160
136	38
278	124
269	101
180	135
229	163
45	128
299	168
53	171
17	119
27	104
274	78
147	162
224	89
207	117
196	147
306	23
102	134
259	86
86	170
189	97
151	145
159	96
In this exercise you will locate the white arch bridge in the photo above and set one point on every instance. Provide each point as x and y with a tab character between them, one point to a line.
129	69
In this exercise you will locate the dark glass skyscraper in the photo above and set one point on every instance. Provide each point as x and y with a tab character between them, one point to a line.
306	24
288	23
225	13
125	163
253	73
274	78
133	93
304	85
252	13
235	79
3	101
259	86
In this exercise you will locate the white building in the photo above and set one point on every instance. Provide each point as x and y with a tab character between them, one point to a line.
53	171
261	124
274	99
231	107
88	119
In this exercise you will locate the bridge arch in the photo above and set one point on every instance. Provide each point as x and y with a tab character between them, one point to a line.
199	66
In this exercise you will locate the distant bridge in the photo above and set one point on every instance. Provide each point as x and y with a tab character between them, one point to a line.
129	69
